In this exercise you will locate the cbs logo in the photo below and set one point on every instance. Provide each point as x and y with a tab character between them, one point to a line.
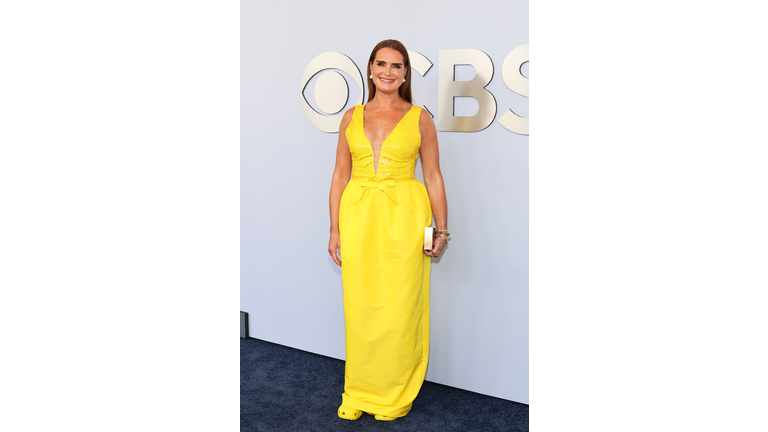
331	91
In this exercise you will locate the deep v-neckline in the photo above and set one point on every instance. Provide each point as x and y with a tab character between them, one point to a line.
381	150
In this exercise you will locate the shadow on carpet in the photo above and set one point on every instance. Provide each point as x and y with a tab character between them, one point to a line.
283	389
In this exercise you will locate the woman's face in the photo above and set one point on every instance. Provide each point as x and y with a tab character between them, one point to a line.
388	70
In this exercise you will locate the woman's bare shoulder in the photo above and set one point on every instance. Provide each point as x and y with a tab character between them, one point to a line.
348	113
346	119
425	120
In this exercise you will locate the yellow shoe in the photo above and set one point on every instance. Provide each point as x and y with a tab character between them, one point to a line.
348	413
383	417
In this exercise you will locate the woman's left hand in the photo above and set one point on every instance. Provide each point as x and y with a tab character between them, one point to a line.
435	252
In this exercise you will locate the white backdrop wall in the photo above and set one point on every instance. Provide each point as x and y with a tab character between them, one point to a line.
289	285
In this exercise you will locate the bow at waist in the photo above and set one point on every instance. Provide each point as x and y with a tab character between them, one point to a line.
357	188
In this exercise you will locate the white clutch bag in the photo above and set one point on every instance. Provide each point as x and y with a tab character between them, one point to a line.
430	234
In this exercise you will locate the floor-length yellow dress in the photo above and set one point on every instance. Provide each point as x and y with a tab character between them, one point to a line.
384	270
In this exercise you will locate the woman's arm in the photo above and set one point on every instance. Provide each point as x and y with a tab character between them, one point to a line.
433	178
341	174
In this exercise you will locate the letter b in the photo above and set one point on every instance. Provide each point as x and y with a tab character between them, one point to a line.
448	89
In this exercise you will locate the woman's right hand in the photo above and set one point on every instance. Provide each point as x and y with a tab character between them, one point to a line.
334	248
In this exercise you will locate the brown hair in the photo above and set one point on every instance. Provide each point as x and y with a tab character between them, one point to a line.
405	88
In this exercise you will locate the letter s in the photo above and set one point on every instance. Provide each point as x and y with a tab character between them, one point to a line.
518	83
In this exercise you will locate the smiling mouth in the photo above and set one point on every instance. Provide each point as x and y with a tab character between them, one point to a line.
387	81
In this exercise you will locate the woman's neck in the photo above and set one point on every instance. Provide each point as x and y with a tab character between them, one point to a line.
386	101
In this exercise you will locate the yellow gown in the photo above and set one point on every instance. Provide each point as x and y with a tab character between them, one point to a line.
384	270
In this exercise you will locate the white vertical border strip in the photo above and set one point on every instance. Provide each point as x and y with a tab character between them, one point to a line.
119	234
648	217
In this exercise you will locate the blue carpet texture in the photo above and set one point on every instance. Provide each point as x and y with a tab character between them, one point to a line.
288	390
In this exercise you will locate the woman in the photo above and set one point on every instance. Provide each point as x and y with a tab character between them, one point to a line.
377	235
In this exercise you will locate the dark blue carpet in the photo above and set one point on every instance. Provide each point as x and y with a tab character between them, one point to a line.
288	390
